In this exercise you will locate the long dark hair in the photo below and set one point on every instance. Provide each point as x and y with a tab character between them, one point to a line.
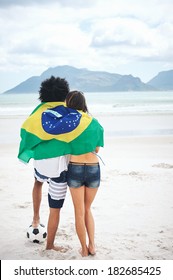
76	100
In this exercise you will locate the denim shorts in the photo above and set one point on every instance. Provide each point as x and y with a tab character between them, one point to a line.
81	174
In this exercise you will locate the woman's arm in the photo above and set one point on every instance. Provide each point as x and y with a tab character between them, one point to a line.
97	149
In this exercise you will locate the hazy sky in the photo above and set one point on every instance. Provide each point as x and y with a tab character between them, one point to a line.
119	36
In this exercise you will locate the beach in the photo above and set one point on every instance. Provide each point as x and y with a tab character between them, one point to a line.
133	209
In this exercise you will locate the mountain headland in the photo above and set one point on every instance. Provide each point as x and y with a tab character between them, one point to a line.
96	81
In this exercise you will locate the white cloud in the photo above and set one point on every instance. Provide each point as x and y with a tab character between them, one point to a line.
133	39
105	35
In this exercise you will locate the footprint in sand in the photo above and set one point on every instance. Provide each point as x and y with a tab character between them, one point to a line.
135	174
50	254
22	206
163	165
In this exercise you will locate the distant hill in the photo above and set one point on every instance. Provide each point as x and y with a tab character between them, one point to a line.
163	81
84	80
130	83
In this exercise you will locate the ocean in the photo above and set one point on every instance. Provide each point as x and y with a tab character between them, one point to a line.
98	102
122	114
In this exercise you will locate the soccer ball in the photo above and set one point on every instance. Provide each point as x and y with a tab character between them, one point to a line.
37	235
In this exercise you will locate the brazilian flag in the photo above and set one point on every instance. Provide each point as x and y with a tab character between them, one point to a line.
54	130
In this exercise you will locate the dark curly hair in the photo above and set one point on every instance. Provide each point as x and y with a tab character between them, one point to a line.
53	90
76	100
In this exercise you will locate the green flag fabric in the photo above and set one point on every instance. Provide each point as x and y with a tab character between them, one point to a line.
54	130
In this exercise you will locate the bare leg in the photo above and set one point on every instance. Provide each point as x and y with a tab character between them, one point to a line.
89	220
36	196
78	202
53	222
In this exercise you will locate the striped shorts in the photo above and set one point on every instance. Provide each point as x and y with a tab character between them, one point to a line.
57	188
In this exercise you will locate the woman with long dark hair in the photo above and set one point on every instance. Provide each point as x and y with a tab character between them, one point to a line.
83	179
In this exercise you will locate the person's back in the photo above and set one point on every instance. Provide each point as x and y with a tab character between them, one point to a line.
53	169
76	100
85	158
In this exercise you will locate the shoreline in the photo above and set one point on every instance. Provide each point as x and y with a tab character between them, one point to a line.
99	114
115	125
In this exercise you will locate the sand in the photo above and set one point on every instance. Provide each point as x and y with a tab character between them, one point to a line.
133	209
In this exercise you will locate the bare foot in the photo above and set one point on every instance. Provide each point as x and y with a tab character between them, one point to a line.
35	223
84	253
58	248
91	250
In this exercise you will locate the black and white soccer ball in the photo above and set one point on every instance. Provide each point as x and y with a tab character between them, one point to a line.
38	234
